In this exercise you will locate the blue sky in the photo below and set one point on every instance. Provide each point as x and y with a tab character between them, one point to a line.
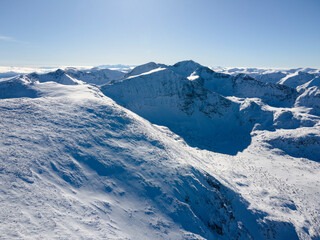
249	33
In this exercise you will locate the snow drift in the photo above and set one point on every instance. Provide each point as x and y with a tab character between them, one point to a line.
75	164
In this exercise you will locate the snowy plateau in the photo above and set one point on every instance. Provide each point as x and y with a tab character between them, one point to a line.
160	151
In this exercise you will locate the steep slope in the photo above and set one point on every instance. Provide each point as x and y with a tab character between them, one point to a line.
245	87
193	108
17	87
310	98
58	76
273	77
315	82
76	165
289	77
142	69
203	118
296	79
95	75
72	76
185	68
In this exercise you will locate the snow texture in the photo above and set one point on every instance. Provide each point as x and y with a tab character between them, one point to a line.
160	152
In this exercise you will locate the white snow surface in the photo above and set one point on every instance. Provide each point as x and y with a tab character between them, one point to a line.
11	71
94	75
290	77
208	157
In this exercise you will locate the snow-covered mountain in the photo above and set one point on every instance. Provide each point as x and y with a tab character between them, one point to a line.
98	75
160	152
166	98
12	71
289	77
244	86
73	76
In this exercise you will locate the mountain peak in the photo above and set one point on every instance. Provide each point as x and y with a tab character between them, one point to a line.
186	62
142	69
58	73
185	68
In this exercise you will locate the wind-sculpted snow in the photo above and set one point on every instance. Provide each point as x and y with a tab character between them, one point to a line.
86	168
76	165
296	79
17	87
310	98
315	82
98	75
195	107
245	86
203	118
304	142
95	76
289	77
185	68
72	76
142	69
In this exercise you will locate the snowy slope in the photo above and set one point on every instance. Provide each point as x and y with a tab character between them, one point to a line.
193	108
296	79
95	76
142	69
185	68
75	76
17	87
209	110
284	119
310	98
76	165
289	77
244	86
12	71
195	113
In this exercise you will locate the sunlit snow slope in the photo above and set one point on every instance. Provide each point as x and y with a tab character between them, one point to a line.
76	165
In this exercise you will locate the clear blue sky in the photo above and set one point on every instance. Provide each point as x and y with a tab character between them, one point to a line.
253	33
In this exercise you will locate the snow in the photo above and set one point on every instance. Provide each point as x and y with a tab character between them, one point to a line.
185	68
11	71
190	154
97	75
147	73
88	168
142	69
289	77
310	98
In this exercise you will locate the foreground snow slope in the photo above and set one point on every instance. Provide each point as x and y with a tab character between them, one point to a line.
266	119
76	165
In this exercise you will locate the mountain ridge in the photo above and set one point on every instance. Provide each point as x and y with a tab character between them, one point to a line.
160	150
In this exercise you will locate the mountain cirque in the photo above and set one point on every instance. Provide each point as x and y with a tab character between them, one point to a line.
160	151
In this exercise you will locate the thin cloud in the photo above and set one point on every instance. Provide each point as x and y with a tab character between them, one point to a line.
9	39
